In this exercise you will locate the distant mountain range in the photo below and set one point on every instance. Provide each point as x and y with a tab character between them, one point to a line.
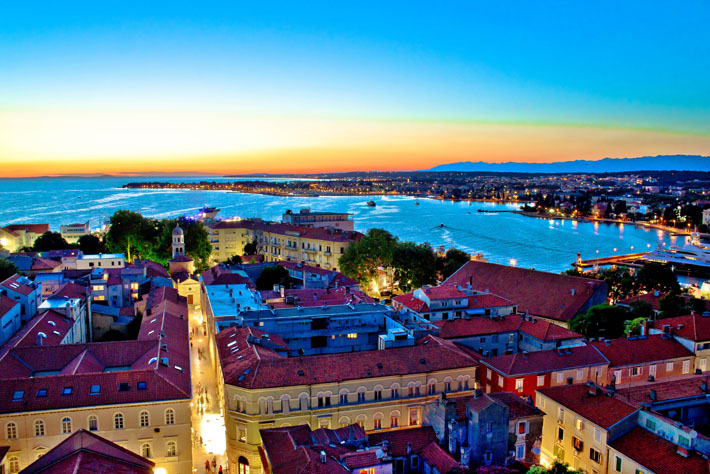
608	165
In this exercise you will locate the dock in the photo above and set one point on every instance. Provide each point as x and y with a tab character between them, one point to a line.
625	259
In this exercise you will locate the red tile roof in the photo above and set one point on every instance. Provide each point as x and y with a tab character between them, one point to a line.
6	304
434	456
551	295
31	368
182	259
317	297
692	327
658	455
218	275
71	290
29	228
14	283
636	351
44	264
546	361
518	407
399	441
444	292
664	391
650	298
251	365
602	410
415	304
86	452
478	326
318	233
55	326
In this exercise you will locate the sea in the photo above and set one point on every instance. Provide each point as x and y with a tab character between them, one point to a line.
502	237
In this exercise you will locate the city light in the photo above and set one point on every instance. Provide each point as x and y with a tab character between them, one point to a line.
513	262
213	434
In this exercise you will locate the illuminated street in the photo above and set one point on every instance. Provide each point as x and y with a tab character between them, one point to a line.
209	439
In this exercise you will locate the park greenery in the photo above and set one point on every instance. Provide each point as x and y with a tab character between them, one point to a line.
407	265
624	282
140	237
556	468
7	269
273	275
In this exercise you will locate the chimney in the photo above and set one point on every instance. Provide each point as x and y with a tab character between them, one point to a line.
653	395
644	327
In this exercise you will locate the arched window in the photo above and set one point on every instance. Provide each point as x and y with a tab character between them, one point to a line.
144	419
118	421
13	464
242	465
378	392
344	396
169	416
171	449
39	428
303	401
361	394
66	425
360	420
344	421
146	451
377	421
447	384
431	387
285	404
270	405
93	423
394	419
11	430
394	391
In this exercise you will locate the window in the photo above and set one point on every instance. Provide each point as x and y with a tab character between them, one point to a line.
146	451
123	387
242	465
501	381
447	386
395	392
651	424
522	427
597	435
377	422
352	335
171	449
489	374
141	386
11	431
703	364
520	451
560	414
618	464
41	393
431	388
595	455
93	423
39	428
413	417
144	419
560	377
489	427
652	370
686	366
519	385
683	441
13	464
169	416
542	402
487	458
343	398
361	396
540	380
378	394
669	366
242	433
17	395
66	425
118	421
635	371
560	433
394	420
95	390
579	423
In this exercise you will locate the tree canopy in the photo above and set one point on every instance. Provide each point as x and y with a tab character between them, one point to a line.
252	248
414	265
91	245
654	276
271	276
557	468
7	269
602	320
50	241
452	261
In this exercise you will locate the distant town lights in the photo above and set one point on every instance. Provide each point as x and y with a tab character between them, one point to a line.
513	262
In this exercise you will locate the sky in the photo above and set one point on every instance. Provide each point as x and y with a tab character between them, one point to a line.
275	87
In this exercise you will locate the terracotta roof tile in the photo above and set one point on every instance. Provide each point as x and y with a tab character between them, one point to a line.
693	327
29	228
546	361
399	440
602	410
641	350
433	455
6	304
668	390
16	283
658	455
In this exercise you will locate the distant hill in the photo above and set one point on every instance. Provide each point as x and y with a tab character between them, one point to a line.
610	165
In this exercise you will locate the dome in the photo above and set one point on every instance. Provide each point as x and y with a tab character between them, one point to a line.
177	230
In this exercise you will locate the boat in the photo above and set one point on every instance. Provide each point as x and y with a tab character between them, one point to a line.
693	258
371	203
416	203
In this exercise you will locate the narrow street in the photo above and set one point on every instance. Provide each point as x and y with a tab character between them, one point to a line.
209	439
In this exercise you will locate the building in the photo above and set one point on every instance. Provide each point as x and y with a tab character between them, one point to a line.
24	291
15	236
178	242
276	242
691	331
73	232
526	372
306	218
500	335
72	302
640	359
106	260
557	298
134	393
437	303
10	318
580	420
377	389
84	451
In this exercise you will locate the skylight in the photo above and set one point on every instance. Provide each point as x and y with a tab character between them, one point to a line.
41	393
95	390
123	387
142	386
66	391
17	396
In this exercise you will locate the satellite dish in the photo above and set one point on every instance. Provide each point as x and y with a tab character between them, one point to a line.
379	453
536	450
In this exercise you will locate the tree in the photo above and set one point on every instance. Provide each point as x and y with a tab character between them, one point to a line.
619	207
91	245
641	309
414	265
50	241
363	258
252	248
197	243
557	468
7	269
453	260
271	276
654	276
602	320
633	326
131	234
673	305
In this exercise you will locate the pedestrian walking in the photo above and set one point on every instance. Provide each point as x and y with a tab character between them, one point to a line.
207	465
220	469
214	462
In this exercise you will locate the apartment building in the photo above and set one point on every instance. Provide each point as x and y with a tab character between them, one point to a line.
378	389
73	232
446	302
306	218
276	242
10	318
15	236
24	291
134	393
692	332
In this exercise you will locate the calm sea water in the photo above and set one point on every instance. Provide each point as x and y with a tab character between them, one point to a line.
543	244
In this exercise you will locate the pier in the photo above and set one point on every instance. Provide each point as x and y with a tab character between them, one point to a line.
625	259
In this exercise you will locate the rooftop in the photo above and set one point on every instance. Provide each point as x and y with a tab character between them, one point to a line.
658	455
30	228
640	350
601	409
315	233
693	327
546	361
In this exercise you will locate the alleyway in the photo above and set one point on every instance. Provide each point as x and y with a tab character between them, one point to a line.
209	439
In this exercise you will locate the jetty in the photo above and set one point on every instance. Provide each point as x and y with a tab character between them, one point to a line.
628	259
